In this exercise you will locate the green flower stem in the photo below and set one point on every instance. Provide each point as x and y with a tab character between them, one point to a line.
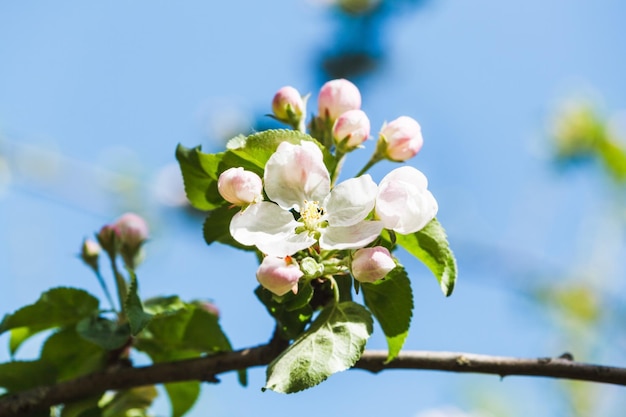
373	161
105	289
335	289
120	283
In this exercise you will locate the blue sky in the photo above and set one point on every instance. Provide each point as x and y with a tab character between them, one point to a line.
95	96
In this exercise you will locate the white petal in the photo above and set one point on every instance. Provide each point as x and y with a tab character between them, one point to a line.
351	201
295	173
269	228
403	203
350	237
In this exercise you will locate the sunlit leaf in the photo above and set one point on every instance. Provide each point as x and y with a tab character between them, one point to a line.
57	307
183	396
391	302
430	245
333	343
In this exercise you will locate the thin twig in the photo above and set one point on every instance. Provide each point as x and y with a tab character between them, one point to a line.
26	402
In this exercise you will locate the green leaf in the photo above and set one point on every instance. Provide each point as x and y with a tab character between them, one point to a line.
72	355
430	245
184	333
22	375
130	402
200	173
107	334
291	320
391	301
333	343
137	317
258	148
82	408
57	307
183	396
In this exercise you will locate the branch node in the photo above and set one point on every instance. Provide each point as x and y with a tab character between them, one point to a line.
463	361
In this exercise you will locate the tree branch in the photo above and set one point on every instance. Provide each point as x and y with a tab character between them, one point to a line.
205	369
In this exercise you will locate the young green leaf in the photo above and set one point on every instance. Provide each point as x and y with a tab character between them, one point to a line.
183	396
333	343
107	334
430	245
72	355
200	174
57	307
292	316
391	302
137	317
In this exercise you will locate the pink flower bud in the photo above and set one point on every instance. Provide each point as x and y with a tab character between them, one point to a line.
337	97
403	137
240	187
131	229
353	125
279	275
372	264
107	237
288	103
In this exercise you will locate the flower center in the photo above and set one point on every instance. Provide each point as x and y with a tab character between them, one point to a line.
311	215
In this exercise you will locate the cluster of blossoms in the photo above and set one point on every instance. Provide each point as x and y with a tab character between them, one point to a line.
296	211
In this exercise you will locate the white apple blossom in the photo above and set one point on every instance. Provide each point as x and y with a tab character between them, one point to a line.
297	182
404	203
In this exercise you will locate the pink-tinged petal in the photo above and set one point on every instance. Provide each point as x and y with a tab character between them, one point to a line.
404	138
372	264
353	125
278	275
269	228
240	187
295	173
351	201
403	203
337	97
350	237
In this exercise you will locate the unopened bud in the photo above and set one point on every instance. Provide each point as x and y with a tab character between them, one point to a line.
402	137
288	105
353	127
90	252
337	97
108	238
132	232
132	229
240	187
372	264
279	275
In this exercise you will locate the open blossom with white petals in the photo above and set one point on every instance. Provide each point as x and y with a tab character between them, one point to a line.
296	180
240	187
404	203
